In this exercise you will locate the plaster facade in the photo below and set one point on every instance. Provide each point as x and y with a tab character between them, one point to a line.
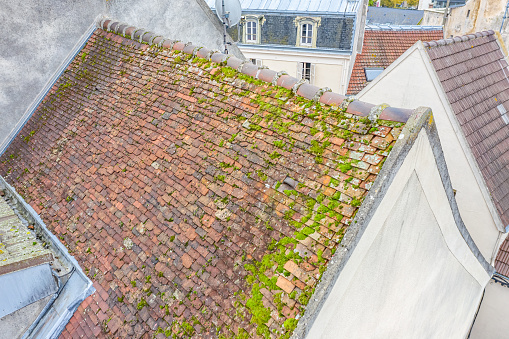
397	266
474	16
38	36
329	70
491	321
413	72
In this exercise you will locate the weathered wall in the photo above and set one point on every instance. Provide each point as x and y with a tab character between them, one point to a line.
395	277
475	16
410	85
38	35
491	321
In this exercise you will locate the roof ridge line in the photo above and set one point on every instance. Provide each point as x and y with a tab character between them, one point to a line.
305	90
461	38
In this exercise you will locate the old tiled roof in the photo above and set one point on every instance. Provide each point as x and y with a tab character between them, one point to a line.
473	72
200	200
381	48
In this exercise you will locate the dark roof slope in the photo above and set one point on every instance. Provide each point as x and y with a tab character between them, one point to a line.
381	48
200	200
393	16
474	75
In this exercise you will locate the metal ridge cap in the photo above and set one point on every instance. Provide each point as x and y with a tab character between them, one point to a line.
402	28
305	90
461	38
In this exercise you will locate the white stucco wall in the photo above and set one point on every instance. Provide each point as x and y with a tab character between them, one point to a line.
491	321
37	37
330	69
411	275
410	85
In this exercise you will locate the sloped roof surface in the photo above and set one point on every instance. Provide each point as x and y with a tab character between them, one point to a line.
381	48
324	6
200	201
474	75
393	16
19	247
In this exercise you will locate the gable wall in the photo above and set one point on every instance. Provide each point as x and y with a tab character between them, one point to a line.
410	85
397	266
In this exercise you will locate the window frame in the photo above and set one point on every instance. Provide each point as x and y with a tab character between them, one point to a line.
251	25
247	23
307	28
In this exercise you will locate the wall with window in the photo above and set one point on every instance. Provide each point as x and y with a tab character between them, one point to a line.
300	31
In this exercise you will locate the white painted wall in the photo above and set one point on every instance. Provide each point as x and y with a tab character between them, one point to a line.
410	85
491	321
330	69
412	275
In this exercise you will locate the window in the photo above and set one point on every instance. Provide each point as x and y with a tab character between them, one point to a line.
257	62
372	72
306	71
307	29
306	34
251	31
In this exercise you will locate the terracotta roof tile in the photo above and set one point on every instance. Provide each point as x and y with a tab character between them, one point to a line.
381	48
200	201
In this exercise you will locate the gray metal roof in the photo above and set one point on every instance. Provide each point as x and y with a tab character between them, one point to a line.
296	6
393	16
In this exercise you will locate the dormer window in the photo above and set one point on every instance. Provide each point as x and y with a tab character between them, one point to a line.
307	35
307	28
251	31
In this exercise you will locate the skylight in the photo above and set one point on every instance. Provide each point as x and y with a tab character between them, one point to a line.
372	72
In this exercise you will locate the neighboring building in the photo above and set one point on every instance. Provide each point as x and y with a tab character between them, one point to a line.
313	40
204	200
452	3
62	27
382	46
425	4
464	80
393	16
41	285
477	16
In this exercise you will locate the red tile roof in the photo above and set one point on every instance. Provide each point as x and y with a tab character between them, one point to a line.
200	201
381	48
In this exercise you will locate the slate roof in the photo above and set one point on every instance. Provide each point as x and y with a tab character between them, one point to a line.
473	72
200	200
381	48
393	16
297	6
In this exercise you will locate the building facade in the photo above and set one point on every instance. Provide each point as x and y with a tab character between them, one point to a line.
314	42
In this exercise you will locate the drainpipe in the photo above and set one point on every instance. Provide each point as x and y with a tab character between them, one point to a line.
504	17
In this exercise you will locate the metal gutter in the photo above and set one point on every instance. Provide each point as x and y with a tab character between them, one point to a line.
296	49
77	288
42	94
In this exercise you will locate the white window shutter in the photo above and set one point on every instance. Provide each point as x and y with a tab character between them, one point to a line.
300	66
312	81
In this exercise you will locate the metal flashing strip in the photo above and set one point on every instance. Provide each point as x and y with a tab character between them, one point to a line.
76	289
296	49
42	94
